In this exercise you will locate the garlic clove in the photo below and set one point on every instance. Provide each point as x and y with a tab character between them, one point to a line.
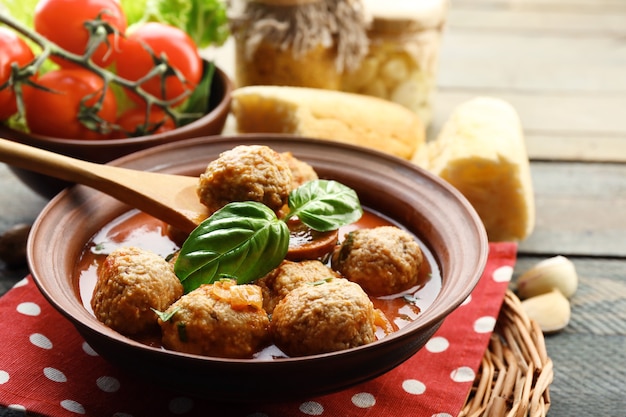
556	272
551	310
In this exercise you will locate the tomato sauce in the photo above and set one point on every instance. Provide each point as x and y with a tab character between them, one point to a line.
141	230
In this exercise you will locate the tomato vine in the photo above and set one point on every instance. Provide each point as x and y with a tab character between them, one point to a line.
159	72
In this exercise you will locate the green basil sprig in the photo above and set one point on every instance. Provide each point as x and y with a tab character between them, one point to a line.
324	205
246	240
243	239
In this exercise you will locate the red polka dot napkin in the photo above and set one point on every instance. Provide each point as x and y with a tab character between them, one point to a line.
47	368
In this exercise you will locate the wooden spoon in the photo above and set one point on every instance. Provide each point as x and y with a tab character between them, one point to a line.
171	198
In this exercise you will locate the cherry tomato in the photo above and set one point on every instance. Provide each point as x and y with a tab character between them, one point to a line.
63	22
56	113
134	121
12	49
134	61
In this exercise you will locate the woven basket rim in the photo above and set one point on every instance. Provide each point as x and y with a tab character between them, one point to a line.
515	373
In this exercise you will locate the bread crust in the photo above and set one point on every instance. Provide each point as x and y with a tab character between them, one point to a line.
345	117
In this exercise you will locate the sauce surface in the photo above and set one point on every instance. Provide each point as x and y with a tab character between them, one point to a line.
135	228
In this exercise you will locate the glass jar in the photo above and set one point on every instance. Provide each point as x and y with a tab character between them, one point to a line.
306	43
402	61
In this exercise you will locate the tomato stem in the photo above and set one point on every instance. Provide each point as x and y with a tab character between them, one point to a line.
99	30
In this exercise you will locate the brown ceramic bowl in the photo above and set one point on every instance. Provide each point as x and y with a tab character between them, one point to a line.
103	151
438	214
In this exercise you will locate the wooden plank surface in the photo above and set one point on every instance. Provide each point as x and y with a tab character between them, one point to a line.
556	127
18	204
558	6
581	209
561	63
532	62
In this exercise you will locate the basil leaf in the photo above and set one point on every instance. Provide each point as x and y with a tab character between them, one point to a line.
244	240
199	101
325	205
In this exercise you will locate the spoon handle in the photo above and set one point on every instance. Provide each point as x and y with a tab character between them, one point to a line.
46	162
171	198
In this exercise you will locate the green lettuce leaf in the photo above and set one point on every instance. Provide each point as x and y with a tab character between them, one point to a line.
21	10
204	20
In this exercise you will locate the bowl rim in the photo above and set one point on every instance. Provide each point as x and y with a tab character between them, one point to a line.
222	106
429	317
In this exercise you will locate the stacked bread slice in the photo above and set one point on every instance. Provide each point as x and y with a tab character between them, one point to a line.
361	120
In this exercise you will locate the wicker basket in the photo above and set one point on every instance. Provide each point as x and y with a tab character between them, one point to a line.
515	374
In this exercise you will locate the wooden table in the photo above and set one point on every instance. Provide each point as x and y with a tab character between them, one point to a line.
562	65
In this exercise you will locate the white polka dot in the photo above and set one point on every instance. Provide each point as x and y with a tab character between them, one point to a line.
40	340
21	283
437	344
503	274
4	377
311	408
17	407
413	386
484	324
29	309
442	415
88	350
467	300
54	375
363	400
73	406
108	384
181	405
463	374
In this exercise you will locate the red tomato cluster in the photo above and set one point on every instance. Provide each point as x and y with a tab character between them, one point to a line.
63	22
13	49
73	93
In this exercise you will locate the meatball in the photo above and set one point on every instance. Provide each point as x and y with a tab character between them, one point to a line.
221	319
384	260
246	173
288	276
131	282
324	317
301	171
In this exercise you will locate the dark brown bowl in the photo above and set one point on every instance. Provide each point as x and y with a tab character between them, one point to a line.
106	150
438	214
